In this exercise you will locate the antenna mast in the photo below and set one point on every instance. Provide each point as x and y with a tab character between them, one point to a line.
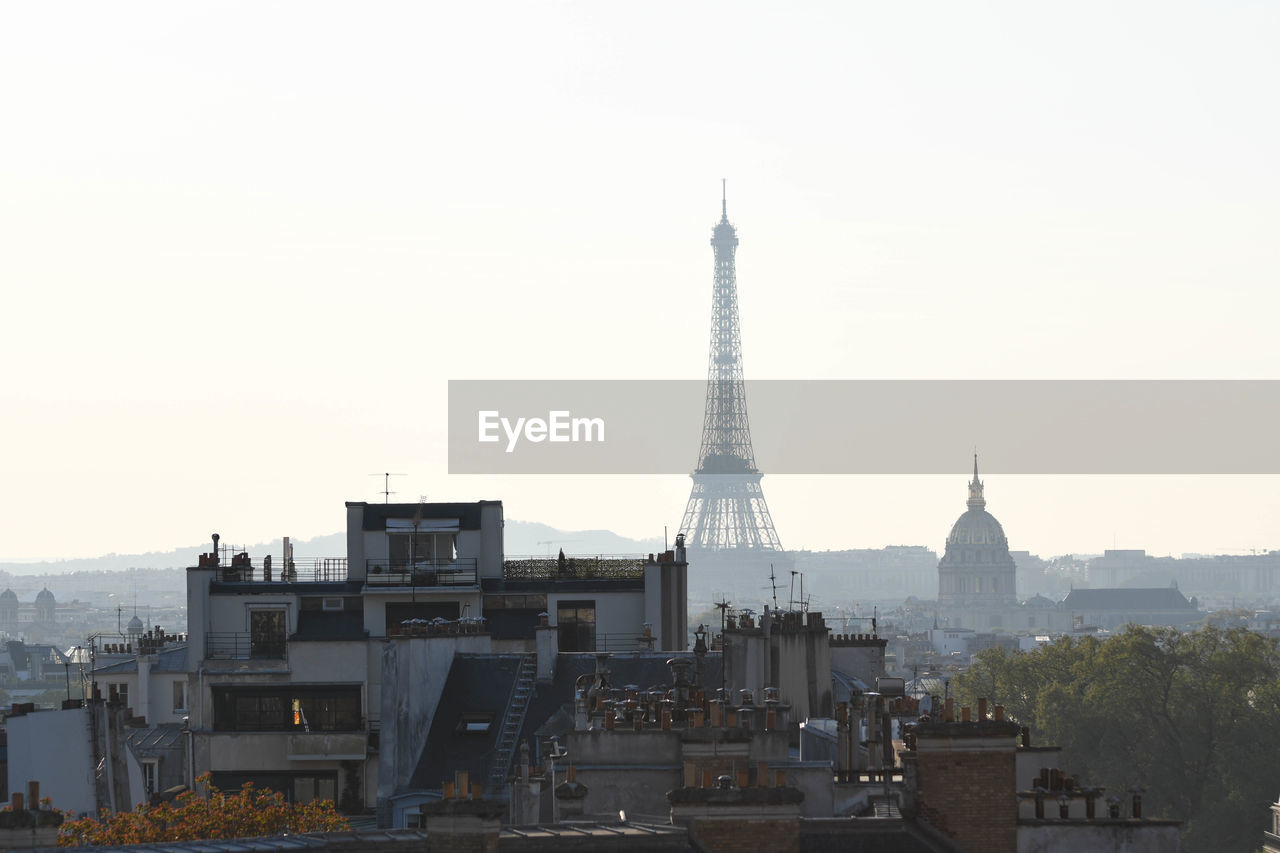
386	484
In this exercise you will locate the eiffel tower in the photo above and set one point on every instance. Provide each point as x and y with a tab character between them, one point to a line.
727	512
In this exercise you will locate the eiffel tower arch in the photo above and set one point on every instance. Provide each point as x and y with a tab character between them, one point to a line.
727	521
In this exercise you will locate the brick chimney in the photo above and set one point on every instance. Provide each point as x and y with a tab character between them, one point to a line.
730	819
965	782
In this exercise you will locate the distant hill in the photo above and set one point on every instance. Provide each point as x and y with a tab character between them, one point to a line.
332	545
526	538
521	538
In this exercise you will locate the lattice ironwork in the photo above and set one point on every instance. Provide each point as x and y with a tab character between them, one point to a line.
726	509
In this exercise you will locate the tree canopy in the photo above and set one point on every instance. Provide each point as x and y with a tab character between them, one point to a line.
1192	717
248	813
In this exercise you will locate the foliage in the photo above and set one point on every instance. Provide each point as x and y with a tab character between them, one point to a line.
1194	717
249	813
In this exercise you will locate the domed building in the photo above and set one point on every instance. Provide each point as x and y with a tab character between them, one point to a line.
976	575
134	631
45	606
8	608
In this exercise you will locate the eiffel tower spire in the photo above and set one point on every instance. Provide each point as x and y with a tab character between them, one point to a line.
726	508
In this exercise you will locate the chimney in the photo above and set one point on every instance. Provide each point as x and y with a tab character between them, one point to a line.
947	760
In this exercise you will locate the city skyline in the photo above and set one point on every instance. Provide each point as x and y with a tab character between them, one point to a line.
244	260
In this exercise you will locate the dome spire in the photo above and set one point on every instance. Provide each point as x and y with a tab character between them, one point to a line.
976	500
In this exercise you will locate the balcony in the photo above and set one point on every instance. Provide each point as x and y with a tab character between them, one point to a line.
601	567
314	570
451	574
328	746
223	645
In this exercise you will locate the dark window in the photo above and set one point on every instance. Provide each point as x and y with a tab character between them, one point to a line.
577	623
397	612
296	787
266	633
274	709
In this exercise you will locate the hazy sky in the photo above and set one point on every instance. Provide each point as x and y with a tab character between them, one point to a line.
243	246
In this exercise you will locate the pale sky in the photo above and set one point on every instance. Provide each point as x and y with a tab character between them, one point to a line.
244	246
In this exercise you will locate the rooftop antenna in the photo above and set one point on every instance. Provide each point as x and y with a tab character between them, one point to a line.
386	484
791	596
724	198
773	580
723	606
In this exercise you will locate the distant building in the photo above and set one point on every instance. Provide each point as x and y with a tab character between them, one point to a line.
8	610
46	605
977	575
1115	608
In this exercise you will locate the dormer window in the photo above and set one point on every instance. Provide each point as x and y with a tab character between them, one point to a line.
475	722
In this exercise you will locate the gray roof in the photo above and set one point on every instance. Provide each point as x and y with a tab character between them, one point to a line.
1159	598
476	683
170	659
483	683
155	741
468	514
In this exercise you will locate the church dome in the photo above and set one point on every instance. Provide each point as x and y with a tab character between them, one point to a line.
977	526
8	595
44	595
135	625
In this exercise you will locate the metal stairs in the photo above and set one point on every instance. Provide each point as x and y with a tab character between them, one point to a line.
512	722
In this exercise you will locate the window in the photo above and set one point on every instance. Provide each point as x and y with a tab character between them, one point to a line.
149	769
405	549
266	633
296	787
329	708
179	696
577	623
475	722
399	611
122	692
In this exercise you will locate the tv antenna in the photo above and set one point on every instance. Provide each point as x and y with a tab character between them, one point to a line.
723	606
386	484
773	581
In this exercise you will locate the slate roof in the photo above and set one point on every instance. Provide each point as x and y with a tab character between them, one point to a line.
483	682
468	514
1159	598
475	683
155	741
171	659
847	686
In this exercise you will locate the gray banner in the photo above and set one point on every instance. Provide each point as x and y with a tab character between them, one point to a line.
549	427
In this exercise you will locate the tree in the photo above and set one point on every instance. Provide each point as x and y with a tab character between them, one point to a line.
247	814
1192	717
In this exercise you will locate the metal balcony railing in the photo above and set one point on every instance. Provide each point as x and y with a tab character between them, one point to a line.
458	572
223	645
310	570
599	567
